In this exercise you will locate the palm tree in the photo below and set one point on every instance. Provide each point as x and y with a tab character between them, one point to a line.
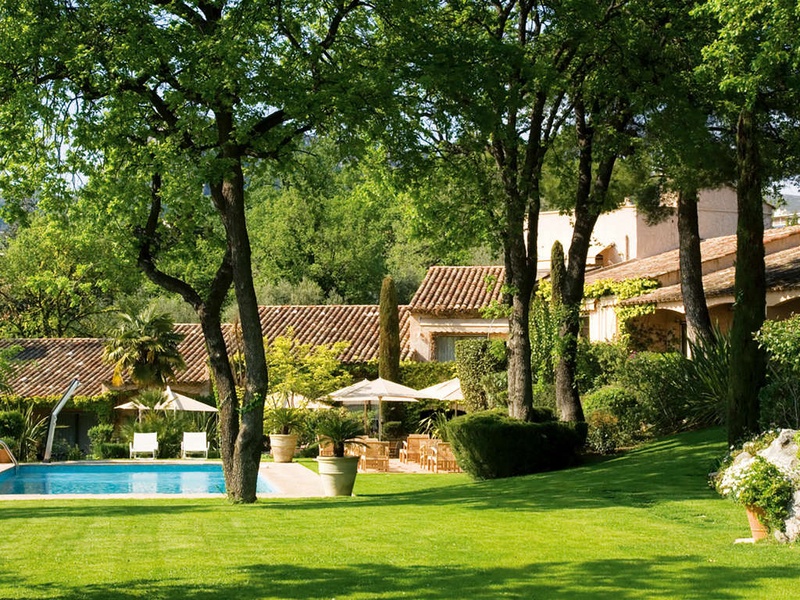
145	349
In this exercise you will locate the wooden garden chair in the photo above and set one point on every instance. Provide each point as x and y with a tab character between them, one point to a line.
411	447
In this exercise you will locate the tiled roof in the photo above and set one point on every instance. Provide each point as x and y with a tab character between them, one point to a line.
47	365
664	267
458	290
51	363
193	351
358	324
783	273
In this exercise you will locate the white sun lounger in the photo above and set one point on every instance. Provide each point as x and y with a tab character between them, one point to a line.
144	443
194	442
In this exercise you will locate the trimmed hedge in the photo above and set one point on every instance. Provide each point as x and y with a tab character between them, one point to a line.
106	450
491	445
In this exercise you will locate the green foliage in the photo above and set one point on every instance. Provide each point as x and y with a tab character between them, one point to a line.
435	425
12	424
145	349
620	403
543	331
661	385
56	280
389	342
708	381
779	399
781	339
477	362
760	484
7	366
338	221
284	420
419	375
100	437
62	450
111	450
624	290
598	363
306	369
100	434
338	427
603	435
31	439
490	445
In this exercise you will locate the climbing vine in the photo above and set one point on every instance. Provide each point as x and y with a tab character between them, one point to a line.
624	290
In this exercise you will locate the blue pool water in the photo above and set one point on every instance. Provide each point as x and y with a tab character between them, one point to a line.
134	478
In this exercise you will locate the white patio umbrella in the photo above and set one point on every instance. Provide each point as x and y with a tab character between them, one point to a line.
174	401
133	405
447	391
379	390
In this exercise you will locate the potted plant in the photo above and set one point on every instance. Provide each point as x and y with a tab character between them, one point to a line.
338	428
284	425
760	486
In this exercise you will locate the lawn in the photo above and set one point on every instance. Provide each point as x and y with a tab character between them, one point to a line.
641	525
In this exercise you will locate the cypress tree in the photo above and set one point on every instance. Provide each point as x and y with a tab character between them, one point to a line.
389	343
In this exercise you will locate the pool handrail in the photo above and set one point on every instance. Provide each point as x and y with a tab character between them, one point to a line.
5	447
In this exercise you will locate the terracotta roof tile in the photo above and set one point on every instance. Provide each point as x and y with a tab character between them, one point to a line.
664	267
783	273
51	363
458	290
358	324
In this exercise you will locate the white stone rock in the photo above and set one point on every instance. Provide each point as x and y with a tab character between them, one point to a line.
793	522
782	453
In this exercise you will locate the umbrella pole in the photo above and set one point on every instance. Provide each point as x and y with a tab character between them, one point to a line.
366	417
380	418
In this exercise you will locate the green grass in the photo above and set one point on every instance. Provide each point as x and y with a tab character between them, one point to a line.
642	525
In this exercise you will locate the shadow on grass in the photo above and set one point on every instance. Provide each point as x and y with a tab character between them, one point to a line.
674	468
595	579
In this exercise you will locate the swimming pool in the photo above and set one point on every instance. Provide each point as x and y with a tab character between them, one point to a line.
117	478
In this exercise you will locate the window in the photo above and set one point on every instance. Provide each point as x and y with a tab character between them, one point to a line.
445	346
585	330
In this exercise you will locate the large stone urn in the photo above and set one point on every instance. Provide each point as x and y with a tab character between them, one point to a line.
283	446
338	474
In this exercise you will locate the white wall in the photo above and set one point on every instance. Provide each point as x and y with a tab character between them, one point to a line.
630	235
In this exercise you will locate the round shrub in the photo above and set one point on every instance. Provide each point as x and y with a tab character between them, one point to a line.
490	444
622	405
604	432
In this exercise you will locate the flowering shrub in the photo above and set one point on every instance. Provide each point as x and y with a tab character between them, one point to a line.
751	480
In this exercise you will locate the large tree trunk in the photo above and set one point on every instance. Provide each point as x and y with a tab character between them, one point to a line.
209	310
589	200
748	363
520	278
249	443
698	322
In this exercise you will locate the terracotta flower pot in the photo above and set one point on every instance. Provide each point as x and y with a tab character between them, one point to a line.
338	474
283	447
756	517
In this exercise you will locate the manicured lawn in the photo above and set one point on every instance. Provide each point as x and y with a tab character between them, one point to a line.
643	525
